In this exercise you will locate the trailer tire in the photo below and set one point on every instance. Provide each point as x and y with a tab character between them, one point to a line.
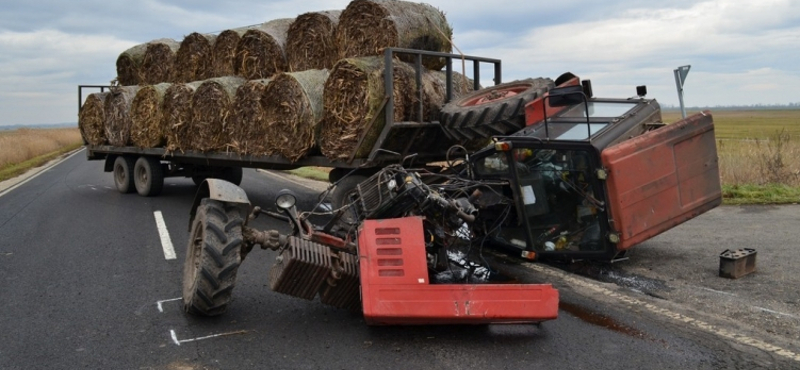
148	176
497	110
232	175
213	257
123	174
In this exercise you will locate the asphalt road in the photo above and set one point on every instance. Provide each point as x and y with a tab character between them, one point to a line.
84	283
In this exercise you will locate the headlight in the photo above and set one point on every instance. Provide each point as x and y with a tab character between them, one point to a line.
285	199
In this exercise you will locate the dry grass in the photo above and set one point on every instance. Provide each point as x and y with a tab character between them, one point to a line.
756	147
19	146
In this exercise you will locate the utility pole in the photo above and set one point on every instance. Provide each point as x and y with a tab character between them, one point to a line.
680	76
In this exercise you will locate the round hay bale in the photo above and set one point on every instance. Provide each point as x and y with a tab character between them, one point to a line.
293	107
194	59
353	97
117	109
367	27
128	64
434	94
147	121
224	52
158	64
310	41
260	52
247	126
211	109
176	115
91	119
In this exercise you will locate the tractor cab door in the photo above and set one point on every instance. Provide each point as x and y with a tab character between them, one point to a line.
662	178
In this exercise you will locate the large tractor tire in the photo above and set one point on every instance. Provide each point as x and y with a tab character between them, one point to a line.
497	110
123	174
148	176
212	258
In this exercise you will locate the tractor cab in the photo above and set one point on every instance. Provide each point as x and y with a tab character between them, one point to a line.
592	177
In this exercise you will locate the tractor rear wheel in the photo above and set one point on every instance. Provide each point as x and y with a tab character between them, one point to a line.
497	110
213	257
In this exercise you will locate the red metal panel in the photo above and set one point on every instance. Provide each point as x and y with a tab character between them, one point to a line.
534	111
662	178
395	287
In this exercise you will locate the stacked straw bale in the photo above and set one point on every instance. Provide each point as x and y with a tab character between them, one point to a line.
223	59
367	27
293	108
148	129
117	107
158	64
260	53
211	109
177	115
247	125
91	119
311	42
353	102
193	61
128	64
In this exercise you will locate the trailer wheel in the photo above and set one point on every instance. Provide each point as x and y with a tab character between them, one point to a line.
232	175
212	260
497	110
148	176
123	174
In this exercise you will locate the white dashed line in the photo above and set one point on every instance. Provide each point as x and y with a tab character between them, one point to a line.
736	337
166	242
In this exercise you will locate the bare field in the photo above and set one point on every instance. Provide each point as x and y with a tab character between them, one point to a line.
17	146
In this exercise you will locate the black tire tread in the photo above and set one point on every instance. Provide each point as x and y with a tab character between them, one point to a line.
219	260
500	117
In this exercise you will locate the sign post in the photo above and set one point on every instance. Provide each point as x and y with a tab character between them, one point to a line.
680	77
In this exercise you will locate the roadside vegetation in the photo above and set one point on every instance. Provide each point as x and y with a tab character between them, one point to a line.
759	155
23	149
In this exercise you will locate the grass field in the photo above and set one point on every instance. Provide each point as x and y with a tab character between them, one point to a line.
23	149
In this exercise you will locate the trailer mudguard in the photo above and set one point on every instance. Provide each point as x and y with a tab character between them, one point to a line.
222	191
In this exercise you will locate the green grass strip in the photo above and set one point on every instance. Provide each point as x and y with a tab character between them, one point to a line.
760	194
16	169
310	173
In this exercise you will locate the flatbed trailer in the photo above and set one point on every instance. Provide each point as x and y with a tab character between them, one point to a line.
414	142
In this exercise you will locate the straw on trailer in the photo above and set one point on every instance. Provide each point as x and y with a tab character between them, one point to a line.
118	114
194	59
247	124
91	119
211	110
148	129
260	52
158	64
367	27
293	107
177	115
311	42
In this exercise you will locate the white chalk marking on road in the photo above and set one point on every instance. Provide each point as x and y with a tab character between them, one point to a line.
166	242
775	312
178	342
160	308
715	291
740	338
43	170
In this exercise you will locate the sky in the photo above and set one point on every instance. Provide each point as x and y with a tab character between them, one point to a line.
741	52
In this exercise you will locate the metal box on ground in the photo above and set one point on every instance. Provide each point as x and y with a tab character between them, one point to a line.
396	291
737	263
